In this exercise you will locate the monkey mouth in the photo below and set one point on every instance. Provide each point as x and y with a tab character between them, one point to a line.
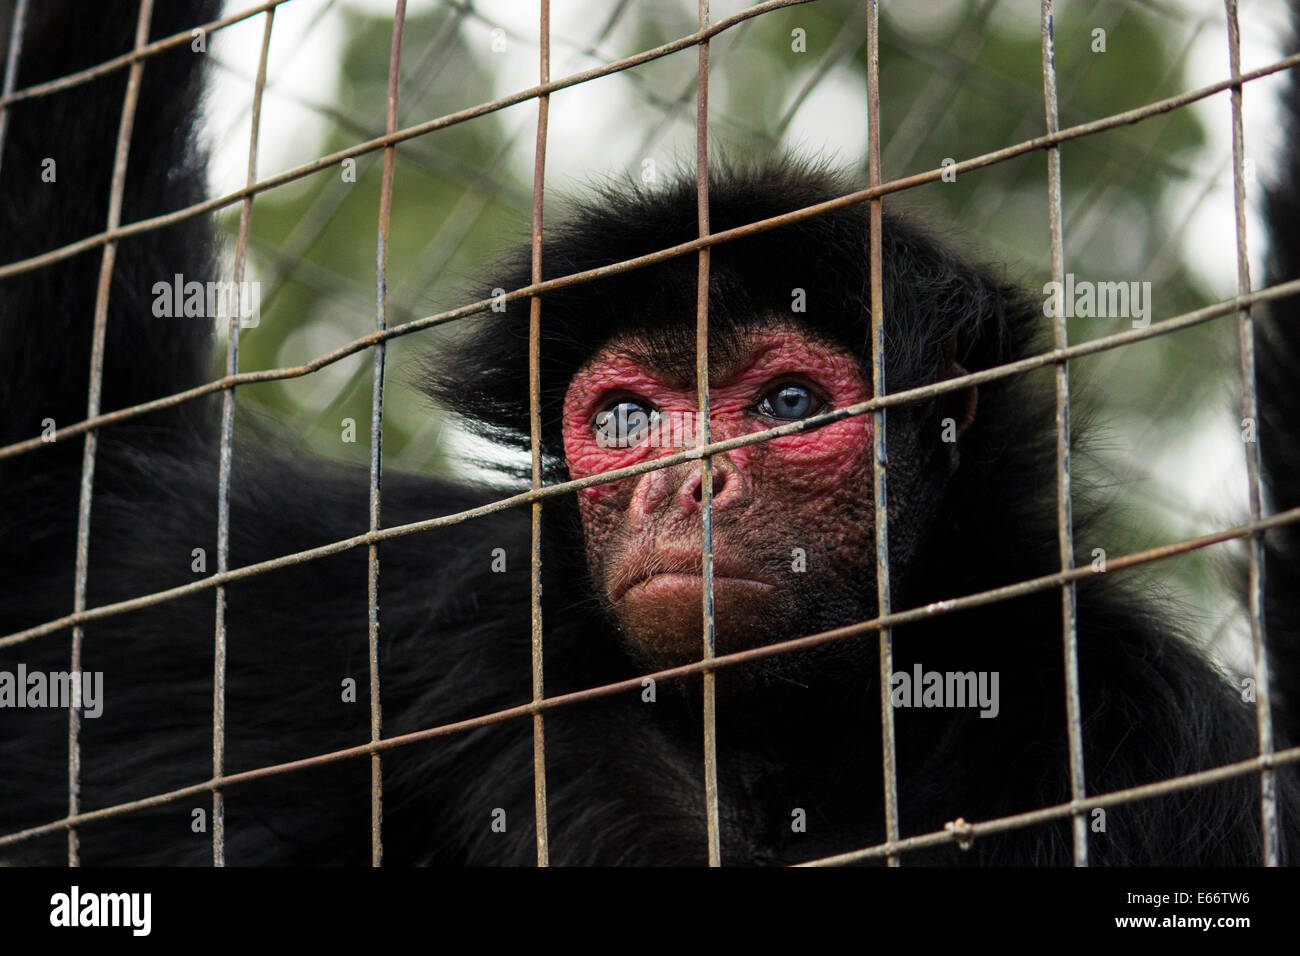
669	575
657	597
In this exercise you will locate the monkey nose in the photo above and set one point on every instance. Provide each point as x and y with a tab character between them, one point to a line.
729	487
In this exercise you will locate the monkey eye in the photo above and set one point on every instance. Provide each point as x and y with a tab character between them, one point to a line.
624	424
790	402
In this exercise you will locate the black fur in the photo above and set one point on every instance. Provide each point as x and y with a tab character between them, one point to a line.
625	777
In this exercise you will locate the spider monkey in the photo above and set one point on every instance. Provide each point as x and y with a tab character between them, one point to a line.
798	735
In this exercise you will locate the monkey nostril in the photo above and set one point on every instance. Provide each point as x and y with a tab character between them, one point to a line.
697	483
692	491
719	482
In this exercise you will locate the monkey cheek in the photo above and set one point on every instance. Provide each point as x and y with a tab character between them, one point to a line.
663	616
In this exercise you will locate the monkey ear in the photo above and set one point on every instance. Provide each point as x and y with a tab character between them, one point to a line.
962	403
955	410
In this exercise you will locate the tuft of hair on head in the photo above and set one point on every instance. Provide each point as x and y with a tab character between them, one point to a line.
937	304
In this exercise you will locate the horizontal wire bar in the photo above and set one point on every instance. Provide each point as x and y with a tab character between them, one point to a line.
126	59
963	831
896	619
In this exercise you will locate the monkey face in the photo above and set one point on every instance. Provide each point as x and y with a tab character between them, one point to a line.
792	516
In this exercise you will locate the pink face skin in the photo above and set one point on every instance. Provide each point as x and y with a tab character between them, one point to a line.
808	491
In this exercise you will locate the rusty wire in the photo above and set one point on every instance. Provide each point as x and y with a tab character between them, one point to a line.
535	442
225	462
1064	509
879	458
705	433
377	440
1250	416
137	55
12	58
94	390
485	185
961	832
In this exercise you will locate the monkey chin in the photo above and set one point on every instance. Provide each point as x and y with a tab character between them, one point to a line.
663	616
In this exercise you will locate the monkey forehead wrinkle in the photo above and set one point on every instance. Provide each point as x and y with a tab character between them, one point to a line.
742	354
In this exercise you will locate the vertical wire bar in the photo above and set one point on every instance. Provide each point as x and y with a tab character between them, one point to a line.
441	243
703	433
226	461
1064	511
880	460
377	442
94	395
1250	413
468	207
11	65
325	204
535	440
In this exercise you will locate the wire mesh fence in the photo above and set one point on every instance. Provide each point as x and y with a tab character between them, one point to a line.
956	65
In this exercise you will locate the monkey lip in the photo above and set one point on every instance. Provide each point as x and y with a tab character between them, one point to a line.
672	574
671	584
